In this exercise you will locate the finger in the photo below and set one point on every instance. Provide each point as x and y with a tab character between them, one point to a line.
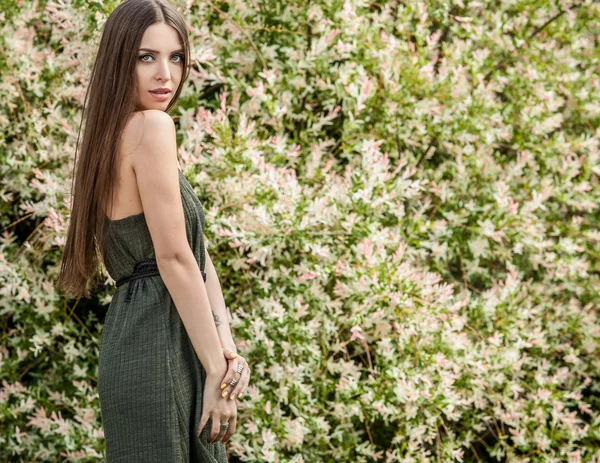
231	430
243	383
237	387
215	431
231	371
229	354
221	431
203	421
221	434
227	391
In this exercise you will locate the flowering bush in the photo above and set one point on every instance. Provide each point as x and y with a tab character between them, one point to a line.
402	203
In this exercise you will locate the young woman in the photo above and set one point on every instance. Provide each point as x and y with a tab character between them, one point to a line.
164	358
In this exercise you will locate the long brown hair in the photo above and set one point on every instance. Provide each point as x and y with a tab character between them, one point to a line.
104	119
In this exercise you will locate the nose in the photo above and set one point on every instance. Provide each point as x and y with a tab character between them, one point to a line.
163	72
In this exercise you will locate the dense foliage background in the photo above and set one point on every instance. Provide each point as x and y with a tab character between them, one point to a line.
402	204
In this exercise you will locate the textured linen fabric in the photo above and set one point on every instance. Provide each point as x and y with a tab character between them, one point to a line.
150	379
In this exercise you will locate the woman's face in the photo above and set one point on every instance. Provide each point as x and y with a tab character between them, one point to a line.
159	65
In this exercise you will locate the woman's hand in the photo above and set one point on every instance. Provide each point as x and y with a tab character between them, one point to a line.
218	411
233	391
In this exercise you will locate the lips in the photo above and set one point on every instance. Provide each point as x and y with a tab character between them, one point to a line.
160	94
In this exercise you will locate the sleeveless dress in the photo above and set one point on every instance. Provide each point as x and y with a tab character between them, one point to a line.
150	379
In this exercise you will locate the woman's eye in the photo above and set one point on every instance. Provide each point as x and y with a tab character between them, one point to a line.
147	61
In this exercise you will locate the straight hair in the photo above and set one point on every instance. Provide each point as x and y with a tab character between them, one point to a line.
103	120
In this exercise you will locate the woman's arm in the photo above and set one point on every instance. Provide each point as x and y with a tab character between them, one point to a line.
154	161
217	304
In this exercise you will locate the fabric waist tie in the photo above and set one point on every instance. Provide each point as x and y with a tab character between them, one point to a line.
142	269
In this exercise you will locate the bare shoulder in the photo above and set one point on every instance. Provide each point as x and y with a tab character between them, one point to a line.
154	119
144	128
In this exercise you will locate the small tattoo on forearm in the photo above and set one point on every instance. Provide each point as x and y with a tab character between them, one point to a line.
218	321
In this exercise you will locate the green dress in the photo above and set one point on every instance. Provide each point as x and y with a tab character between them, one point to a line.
150	379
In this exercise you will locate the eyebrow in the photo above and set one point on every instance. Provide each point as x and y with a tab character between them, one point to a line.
158	52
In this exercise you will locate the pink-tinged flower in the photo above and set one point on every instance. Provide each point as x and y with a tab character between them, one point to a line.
19	436
42	308
65	124
269	438
270	455
204	54
295	431
458	454
341	268
441	360
27	406
301	309
308	276
235	243
85	416
258	91
496	339
270	75
544	394
15	388
365	249
251	426
356	333
40	420
224	232
23	294
22	41
63	425
585	408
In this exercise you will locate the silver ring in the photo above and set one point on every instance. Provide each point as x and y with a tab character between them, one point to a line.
240	369
224	425
233	382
